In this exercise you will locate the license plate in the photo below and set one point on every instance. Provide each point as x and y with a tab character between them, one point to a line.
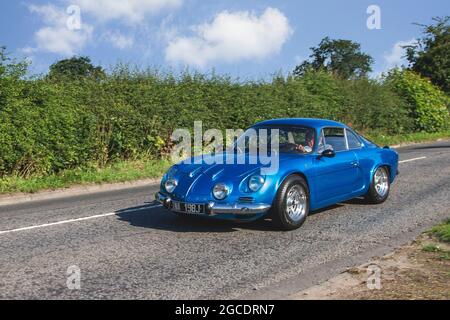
191	208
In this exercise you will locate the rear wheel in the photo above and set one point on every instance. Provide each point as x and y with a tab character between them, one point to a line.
379	186
291	205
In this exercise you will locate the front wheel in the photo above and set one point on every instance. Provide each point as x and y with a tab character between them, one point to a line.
291	205
379	187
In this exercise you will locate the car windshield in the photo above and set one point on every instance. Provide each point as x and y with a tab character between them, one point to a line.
292	139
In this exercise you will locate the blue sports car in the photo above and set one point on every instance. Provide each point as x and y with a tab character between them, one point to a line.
319	163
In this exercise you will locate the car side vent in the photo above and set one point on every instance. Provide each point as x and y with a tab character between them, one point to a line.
246	199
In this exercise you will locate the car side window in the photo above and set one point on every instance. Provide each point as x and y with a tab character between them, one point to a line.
336	138
353	142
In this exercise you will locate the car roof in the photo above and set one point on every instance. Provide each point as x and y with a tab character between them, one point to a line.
308	122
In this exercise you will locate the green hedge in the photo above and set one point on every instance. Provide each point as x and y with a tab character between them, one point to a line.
426	103
48	125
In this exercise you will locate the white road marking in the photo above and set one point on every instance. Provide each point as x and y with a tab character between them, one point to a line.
414	159
75	220
114	213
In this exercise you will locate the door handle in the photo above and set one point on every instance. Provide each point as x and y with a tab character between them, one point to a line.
354	163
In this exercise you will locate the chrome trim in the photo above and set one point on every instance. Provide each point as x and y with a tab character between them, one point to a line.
225	187
381	182
163	199
219	208
238	208
296	202
346	139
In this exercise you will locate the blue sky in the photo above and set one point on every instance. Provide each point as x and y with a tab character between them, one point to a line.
248	39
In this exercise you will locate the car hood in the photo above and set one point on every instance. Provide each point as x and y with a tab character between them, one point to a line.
199	174
228	163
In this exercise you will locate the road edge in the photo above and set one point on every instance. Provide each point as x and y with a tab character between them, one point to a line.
410	144
79	190
291	287
284	289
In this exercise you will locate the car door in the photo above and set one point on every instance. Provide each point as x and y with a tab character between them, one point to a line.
354	144
335	177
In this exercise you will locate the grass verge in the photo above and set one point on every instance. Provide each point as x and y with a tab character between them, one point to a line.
417	137
442	231
117	172
140	169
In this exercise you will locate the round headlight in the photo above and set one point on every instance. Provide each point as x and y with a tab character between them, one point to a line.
220	191
170	185
255	182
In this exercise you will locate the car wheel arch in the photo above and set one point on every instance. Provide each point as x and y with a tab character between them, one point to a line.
279	212
294	173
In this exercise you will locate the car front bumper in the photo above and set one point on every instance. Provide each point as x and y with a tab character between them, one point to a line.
214	208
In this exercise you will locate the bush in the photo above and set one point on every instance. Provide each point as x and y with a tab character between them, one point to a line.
427	104
49	125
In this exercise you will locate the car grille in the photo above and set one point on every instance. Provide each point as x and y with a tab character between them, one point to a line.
246	199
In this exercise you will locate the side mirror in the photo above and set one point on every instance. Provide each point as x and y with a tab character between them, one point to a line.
328	153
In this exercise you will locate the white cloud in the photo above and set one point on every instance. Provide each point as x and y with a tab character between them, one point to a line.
129	11
396	57
28	50
55	36
119	40
167	30
230	37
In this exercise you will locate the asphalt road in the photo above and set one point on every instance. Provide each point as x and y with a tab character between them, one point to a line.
126	247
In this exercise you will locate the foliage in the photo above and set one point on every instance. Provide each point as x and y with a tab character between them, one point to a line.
10	68
442	231
428	106
341	57
120	171
54	125
430	56
75	68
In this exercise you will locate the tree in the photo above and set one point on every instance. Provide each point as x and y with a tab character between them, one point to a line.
430	55
341	57
75	68
11	74
10	67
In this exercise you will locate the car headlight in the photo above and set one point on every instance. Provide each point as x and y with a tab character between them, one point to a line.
220	191
170	185
255	182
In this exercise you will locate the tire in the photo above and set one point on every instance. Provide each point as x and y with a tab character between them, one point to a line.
379	187
291	205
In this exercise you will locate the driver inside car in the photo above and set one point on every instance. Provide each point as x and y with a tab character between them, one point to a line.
309	143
